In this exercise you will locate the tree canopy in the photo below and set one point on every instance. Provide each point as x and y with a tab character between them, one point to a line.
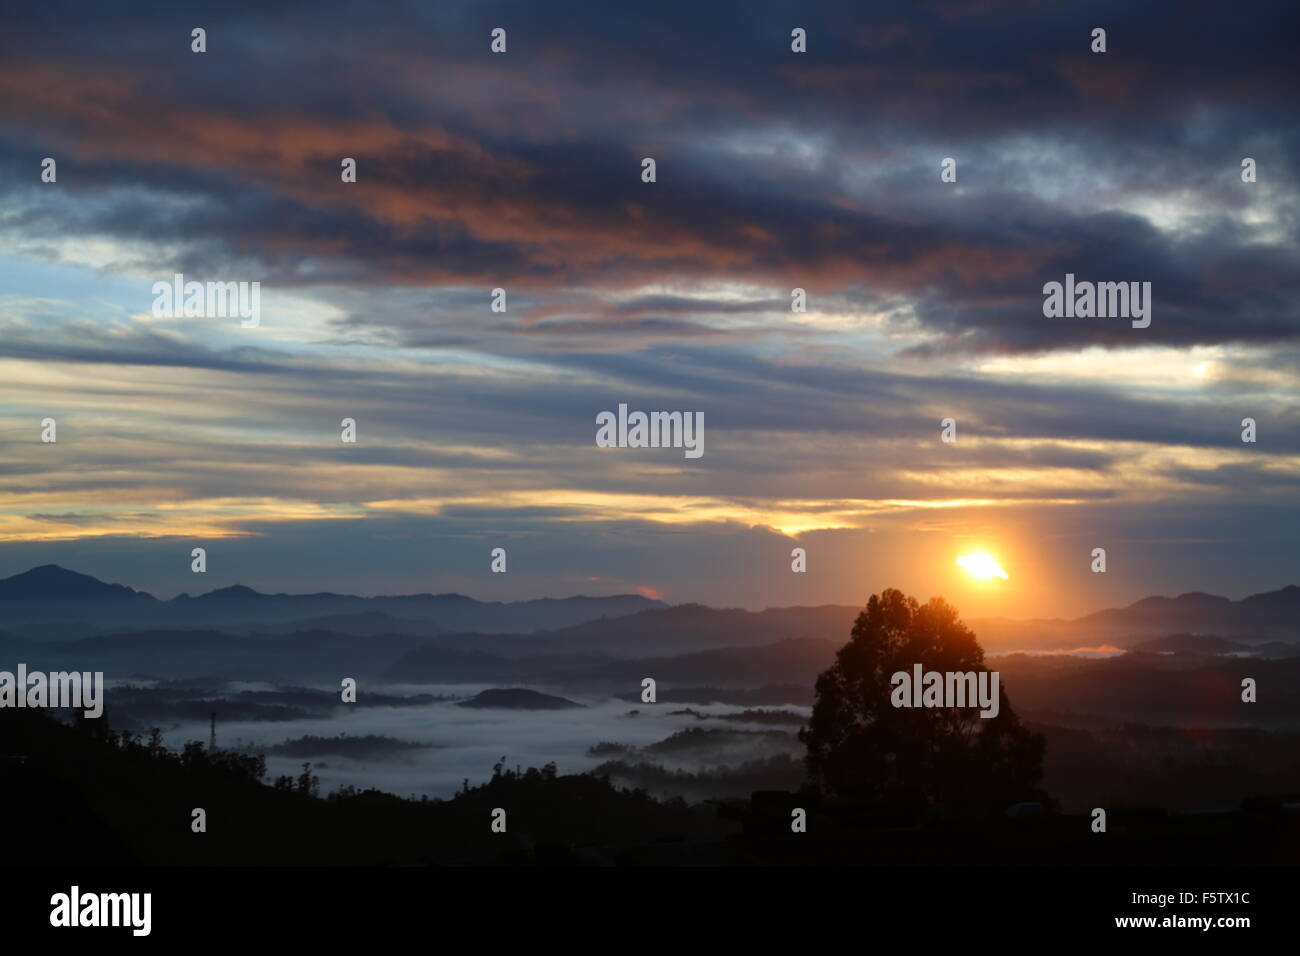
860	745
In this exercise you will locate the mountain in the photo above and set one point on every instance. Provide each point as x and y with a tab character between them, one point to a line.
236	592
674	630
242	606
1258	616
1282	602
1270	616
517	698
796	660
50	602
365	624
431	664
49	582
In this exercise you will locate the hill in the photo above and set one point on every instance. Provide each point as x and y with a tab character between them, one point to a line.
49	582
517	698
51	602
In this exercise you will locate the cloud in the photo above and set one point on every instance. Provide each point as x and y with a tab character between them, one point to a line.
776	170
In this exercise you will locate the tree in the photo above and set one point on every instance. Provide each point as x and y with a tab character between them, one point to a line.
308	782
909	759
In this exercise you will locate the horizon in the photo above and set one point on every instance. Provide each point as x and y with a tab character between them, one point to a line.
626	594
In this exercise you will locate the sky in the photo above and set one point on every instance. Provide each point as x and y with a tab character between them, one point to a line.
775	170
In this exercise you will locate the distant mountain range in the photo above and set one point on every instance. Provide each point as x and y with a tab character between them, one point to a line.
1272	615
49	582
53	602
1203	613
50	601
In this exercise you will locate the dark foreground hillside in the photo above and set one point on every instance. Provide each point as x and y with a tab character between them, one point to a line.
84	795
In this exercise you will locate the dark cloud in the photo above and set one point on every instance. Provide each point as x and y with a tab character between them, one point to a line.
471	175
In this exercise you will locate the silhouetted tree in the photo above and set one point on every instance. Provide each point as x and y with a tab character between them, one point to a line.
308	782
860	745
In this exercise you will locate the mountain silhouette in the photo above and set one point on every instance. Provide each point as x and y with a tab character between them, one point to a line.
1198	612
49	582
234	592
517	698
50	602
53	602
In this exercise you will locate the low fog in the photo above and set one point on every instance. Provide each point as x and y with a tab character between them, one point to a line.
464	743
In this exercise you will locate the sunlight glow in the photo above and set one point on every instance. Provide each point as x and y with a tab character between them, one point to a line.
980	565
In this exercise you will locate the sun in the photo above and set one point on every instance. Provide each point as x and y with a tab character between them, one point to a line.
981	565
